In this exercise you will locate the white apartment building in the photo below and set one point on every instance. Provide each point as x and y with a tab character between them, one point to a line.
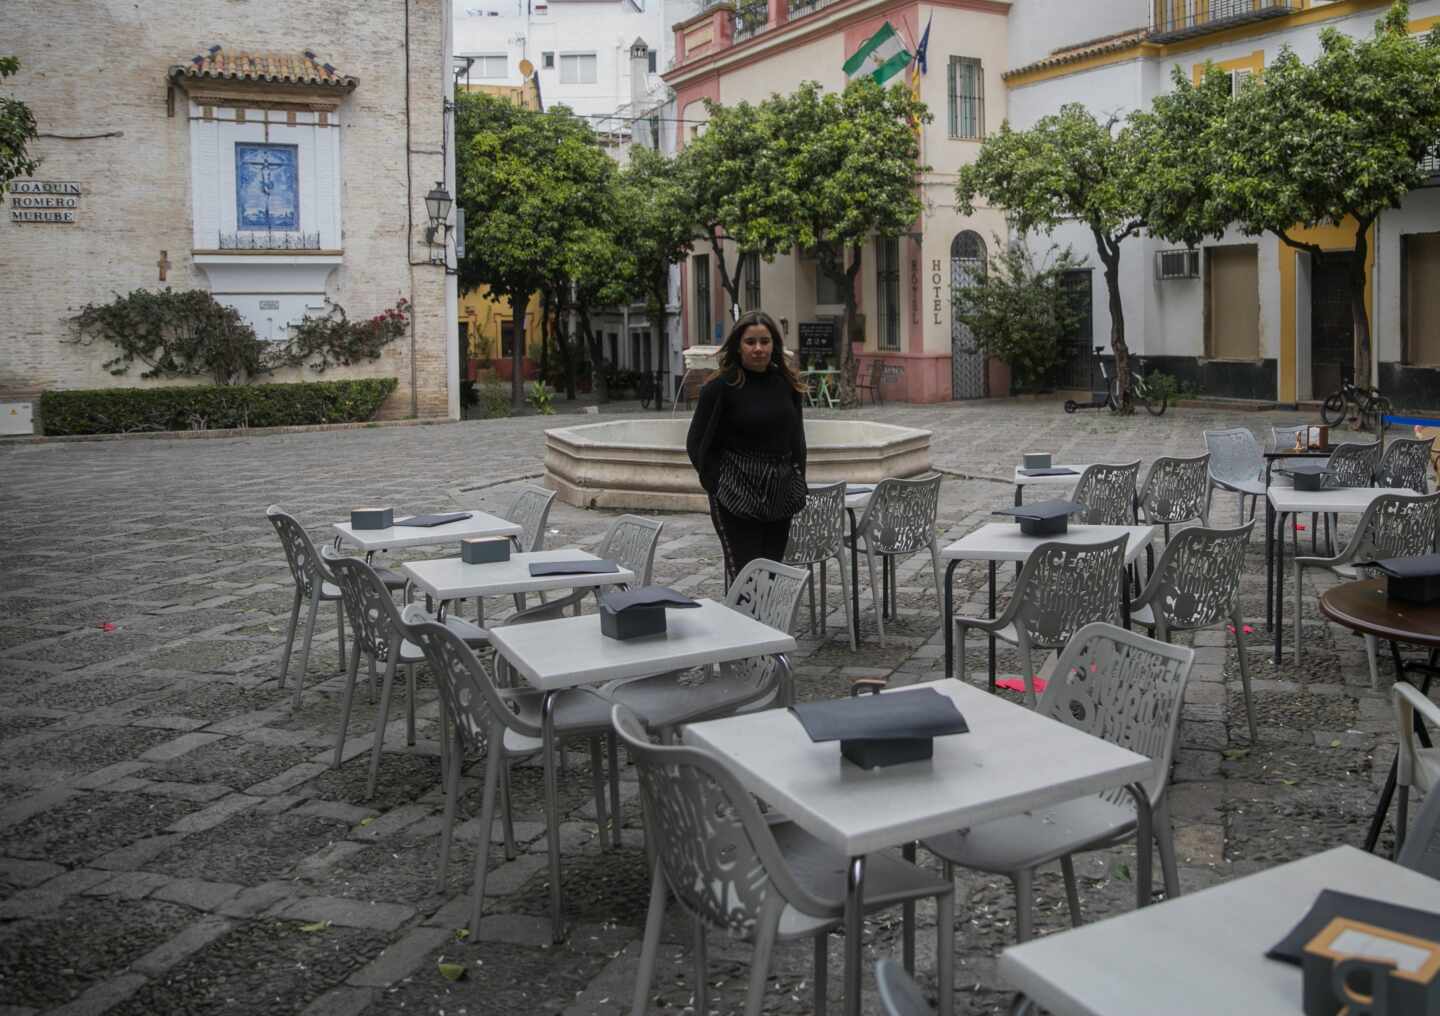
1249	316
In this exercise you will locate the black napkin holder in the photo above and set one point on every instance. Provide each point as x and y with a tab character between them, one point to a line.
1338	979
1308	478
372	518
1043	518
1412	579
1036	460
485	550
632	622
868	753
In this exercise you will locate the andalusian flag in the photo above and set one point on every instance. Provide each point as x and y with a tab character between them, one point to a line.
882	56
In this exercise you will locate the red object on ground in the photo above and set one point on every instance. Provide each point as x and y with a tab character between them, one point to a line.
1248	630
106	626
1015	684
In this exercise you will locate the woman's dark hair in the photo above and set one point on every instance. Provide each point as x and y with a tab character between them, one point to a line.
729	357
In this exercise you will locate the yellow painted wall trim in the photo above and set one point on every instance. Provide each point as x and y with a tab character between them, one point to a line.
1423	24
1254	62
1338	238
1142	50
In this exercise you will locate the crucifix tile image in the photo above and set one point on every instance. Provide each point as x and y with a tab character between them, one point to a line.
163	264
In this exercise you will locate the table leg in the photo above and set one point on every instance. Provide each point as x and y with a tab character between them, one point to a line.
1269	561
854	927
992	634
1278	627
1019	495
1144	844
854	575
907	930
949	619
552	818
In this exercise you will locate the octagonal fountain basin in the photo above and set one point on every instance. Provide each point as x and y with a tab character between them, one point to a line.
642	463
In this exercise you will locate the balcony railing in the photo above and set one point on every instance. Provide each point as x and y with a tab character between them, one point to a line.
1179	19
800	8
749	19
1430	166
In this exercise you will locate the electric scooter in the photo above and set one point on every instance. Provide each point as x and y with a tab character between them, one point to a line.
1101	397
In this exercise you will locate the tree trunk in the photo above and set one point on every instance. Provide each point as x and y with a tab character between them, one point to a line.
1361	349
545	333
518	304
1110	258
729	281
659	315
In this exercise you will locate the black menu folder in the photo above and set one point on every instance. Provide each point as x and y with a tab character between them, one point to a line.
621	600
1422	567
1052	471
876	730
1331	904
426	521
539	568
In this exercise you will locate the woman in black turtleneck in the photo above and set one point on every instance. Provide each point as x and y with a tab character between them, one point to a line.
747	442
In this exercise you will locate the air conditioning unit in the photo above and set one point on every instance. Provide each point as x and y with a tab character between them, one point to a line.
1177	264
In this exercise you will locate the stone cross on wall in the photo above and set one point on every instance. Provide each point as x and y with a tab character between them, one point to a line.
163	264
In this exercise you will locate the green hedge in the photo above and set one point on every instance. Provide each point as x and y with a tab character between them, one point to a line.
211	407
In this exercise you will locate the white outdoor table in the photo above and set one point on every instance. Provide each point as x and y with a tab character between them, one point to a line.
1283	501
1022	481
571	652
1202	954
970	780
1003	541
479	524
449	578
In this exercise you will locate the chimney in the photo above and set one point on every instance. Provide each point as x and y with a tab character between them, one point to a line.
639	73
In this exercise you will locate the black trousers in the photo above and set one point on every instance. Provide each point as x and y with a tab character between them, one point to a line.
743	540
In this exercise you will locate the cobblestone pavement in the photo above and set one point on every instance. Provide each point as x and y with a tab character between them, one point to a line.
173	839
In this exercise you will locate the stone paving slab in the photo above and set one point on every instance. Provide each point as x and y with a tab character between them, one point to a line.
172	837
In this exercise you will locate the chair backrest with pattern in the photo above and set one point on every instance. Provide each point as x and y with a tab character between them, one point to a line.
1282	439
1235	455
1406	463
374	618
466	684
1065	586
770	593
710	840
630	542
306	567
899	994
1422	844
529	511
900	516
1126	689
1197	578
1175	489
1352	464
817	531
1395	525
1108	494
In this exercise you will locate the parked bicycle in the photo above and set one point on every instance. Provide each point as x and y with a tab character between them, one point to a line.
1106	395
650	386
1369	407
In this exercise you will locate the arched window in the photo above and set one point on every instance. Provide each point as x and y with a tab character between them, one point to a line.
969	249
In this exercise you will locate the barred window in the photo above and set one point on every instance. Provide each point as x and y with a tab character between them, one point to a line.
887	285
967	98
750	273
702	300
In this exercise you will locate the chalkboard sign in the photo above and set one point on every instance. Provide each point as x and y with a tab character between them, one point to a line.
817	337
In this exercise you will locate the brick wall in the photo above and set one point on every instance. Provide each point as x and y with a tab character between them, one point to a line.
99	67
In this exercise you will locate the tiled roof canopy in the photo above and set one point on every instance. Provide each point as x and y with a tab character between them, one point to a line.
1072	54
304	69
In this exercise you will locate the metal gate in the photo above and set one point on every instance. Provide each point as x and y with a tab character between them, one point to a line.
1077	348
967	364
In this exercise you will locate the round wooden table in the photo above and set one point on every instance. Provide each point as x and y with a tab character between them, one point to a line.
1365	608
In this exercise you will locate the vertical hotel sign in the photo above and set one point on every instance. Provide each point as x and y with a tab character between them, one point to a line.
44	200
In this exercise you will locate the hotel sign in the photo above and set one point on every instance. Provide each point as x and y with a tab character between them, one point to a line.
44	201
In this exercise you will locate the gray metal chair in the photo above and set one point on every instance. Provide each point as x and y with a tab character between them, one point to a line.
1108	494
1353	464
315	584
530	511
899	994
1419	848
630	542
817	534
765	590
1394	525
375	626
1237	464
1062	588
1406	463
503	723
1126	689
899	520
759	878
1196	585
1175	491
